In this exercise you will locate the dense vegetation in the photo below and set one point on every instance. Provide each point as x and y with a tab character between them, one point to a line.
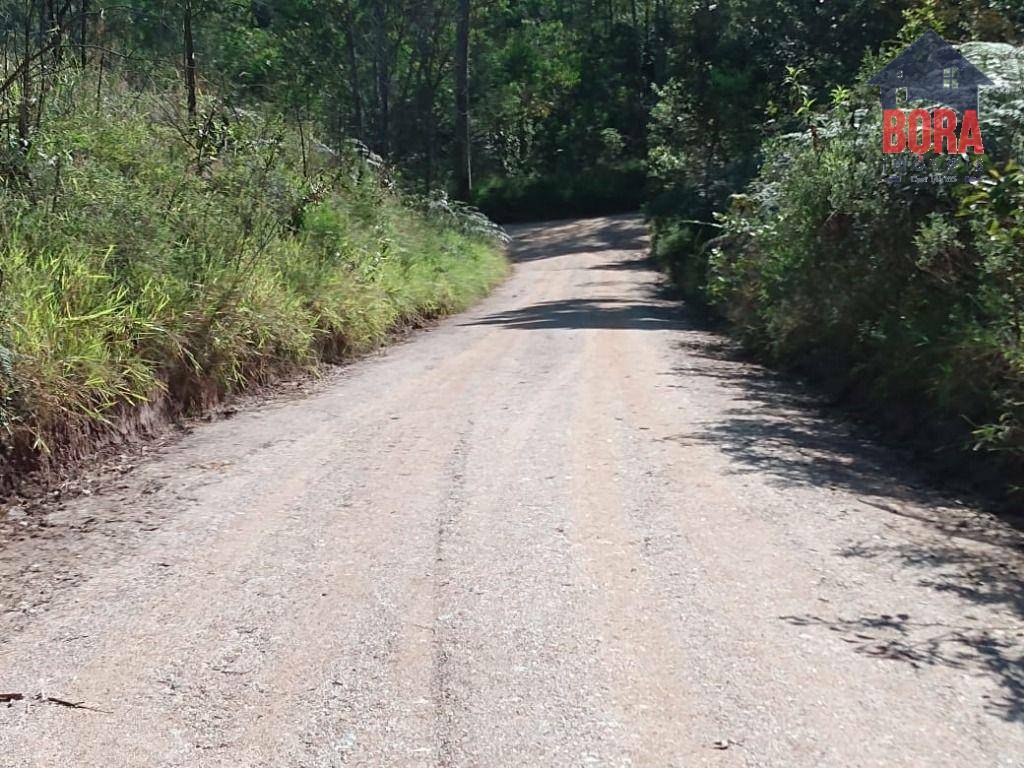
526	96
906	298
144	262
912	295
508	102
159	155
513	105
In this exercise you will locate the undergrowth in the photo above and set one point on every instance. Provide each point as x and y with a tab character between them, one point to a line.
906	298
144	259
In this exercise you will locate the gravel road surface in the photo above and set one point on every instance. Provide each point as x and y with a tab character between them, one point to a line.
567	528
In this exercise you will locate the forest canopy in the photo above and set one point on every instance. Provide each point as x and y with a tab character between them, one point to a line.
564	101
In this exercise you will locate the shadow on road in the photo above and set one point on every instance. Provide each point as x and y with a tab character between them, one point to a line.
777	429
993	580
627	265
993	652
533	242
591	313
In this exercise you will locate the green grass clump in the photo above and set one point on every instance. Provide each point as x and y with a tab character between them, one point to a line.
143	259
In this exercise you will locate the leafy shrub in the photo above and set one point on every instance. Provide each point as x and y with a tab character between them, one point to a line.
909	297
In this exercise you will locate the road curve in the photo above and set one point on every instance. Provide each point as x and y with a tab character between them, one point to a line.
567	528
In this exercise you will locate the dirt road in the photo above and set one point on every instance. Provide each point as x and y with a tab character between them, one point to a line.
565	529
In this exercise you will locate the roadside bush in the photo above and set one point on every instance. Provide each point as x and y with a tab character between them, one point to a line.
145	260
907	297
691	180
679	241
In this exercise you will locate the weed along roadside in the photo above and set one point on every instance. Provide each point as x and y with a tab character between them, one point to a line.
154	282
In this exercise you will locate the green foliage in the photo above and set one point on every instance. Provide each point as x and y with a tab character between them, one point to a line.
234	244
601	190
990	20
909	297
751	70
918	19
906	297
144	260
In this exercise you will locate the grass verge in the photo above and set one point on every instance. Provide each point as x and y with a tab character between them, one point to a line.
149	266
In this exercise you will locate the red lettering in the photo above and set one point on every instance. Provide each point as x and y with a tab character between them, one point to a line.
921	121
894	138
970	134
923	131
945	131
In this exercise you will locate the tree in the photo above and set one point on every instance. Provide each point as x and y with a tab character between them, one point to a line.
189	51
463	170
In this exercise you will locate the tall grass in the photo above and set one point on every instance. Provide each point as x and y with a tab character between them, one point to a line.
145	260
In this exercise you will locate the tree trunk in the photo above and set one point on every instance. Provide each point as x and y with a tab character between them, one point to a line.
382	75
463	170
83	32
26	82
353	78
50	30
190	62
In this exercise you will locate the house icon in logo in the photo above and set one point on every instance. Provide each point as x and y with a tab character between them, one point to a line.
933	71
